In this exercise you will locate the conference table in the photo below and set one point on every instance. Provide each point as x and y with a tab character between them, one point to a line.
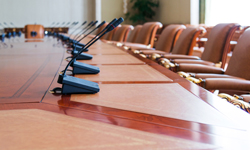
140	105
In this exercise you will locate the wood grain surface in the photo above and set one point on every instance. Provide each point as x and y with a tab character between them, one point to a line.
32	117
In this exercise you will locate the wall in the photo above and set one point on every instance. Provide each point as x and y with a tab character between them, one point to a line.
44	12
173	11
111	9
22	12
169	11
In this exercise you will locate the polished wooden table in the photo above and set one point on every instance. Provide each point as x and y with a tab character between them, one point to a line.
141	105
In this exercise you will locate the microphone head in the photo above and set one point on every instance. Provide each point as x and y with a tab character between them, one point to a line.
114	20
115	24
91	23
94	23
101	24
84	23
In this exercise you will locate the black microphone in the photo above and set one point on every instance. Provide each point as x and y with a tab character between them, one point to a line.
73	24
101	24
62	24
8	33
14	32
112	22
93	24
72	41
79	67
78	28
84	29
64	37
76	47
66	25
73	85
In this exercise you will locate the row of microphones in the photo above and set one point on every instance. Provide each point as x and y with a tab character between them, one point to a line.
11	31
73	85
76	48
54	25
76	45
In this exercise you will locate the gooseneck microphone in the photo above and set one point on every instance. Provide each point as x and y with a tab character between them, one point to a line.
76	47
78	27
73	41
65	38
79	67
93	24
101	24
66	25
83	29
79	46
73	85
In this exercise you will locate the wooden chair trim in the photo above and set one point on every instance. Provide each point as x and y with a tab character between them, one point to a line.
153	33
227	44
199	32
127	33
176	37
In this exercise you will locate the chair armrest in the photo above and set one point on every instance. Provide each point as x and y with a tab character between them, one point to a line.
176	56
210	75
198	68
227	84
136	45
191	61
149	52
246	97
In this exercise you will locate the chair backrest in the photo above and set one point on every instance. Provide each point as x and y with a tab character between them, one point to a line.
239	64
218	43
39	29
147	33
110	34
187	40
168	37
122	33
134	33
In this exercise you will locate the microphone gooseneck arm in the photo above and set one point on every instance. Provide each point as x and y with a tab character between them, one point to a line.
106	30
101	24
86	30
78	27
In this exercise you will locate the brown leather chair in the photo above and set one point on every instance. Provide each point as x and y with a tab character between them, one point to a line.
134	33
184	44
237	75
131	37
215	51
166	41
121	34
110	34
39	29
146	35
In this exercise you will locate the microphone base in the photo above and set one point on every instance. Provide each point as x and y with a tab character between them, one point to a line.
73	85
76	42
84	56
78	48
64	38
82	68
